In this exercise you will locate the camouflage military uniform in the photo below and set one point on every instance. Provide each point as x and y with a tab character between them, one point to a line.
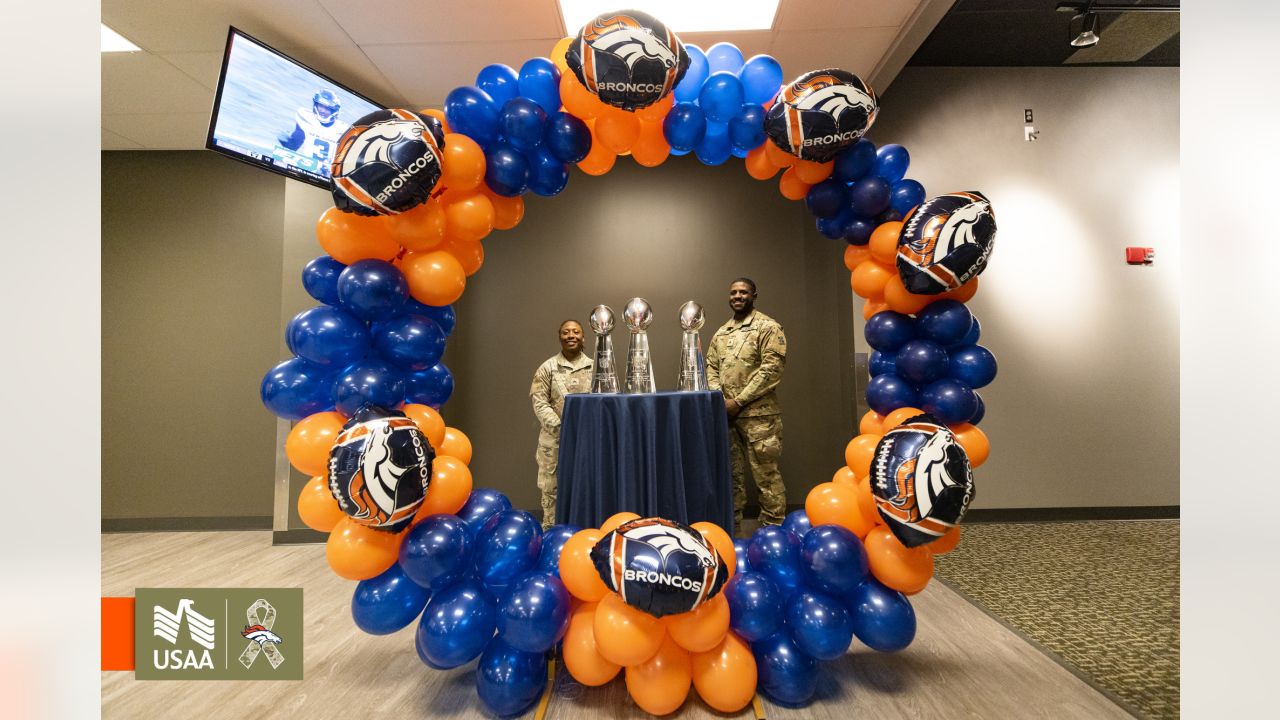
745	362
554	379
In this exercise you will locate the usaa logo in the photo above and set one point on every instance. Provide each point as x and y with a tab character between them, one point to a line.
200	633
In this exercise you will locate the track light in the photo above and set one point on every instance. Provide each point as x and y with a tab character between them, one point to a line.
1086	13
1088	35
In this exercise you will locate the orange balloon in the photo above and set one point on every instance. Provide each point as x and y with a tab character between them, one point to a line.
901	300
356	552
721	541
309	442
507	211
779	157
964	293
456	444
896	566
429	422
845	476
652	149
420	228
725	676
657	112
835	504
791	186
439	115
317	506
702	628
871	307
867	503
945	544
618	130
462	167
450	487
435	278
974	442
869	279
884	242
661	684
581	656
468	253
899	416
558	55
348	237
854	254
470	218
871	423
625	635
577	100
576	569
759	166
615	520
599	159
813	172
858	453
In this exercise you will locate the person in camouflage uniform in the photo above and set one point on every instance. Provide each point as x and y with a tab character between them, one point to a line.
745	362
568	371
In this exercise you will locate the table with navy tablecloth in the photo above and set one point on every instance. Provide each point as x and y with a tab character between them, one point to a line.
660	454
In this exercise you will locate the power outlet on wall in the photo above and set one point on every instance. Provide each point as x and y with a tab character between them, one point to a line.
1029	132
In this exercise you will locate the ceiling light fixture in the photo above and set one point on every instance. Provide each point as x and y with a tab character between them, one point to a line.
1088	34
113	41
680	15
1085	17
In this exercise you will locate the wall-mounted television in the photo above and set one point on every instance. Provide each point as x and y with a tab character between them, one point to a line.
276	113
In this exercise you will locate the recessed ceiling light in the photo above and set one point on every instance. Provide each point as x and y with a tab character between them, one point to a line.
113	41
679	15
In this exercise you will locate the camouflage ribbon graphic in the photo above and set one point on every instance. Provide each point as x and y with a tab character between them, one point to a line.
264	642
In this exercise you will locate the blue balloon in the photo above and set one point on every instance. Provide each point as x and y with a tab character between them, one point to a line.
974	334
534	614
746	128
506	169
688	88
920	362
320	279
388	602
432	386
297	388
721	96
834	560
472	112
737	152
869	196
714	148
827	199
904	195
482	504
819	624
553	540
887	330
372	290
881	363
456	625
949	400
509	681
368	381
437	552
776	553
500	81
540	82
684	126
797	521
891	162
755	604
832	228
567	137
945	322
521	122
410	342
328	336
858	230
888	392
724	57
444	316
854	162
785	673
980	413
761	78
741	564
973	365
883	619
506	546
548	175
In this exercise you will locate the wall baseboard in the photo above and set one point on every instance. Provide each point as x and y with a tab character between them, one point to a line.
1048	514
186	524
298	536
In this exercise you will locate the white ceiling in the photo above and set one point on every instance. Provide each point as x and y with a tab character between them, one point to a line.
413	52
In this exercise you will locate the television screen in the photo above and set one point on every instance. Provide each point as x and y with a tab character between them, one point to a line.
275	112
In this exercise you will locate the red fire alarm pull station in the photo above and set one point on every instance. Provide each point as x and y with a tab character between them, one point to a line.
1139	255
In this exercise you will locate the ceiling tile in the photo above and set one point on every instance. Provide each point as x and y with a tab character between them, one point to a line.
399	22
827	15
856	50
352	67
161	131
201	25
425	73
114	141
750	42
133	82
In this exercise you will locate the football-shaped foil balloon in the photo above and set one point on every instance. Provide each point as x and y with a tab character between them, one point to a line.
921	480
379	468
821	113
386	163
659	566
946	241
628	59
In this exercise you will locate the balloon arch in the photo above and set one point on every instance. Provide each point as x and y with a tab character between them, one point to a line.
415	195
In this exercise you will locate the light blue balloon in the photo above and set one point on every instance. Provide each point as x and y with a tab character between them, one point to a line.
721	96
724	57
761	77
691	84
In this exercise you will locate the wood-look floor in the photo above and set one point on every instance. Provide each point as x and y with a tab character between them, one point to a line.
963	664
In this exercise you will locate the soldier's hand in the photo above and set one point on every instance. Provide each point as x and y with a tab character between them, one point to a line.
732	407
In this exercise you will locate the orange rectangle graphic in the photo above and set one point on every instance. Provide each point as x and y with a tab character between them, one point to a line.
117	633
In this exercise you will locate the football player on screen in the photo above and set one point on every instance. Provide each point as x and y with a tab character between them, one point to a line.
316	130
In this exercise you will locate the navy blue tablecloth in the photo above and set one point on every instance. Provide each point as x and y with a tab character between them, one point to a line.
663	454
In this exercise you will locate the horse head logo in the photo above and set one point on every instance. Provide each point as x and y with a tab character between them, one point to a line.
944	234
829	94
373	144
625	38
668	540
373	487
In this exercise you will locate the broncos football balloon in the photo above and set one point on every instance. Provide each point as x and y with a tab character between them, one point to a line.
387	162
946	241
921	480
628	59
659	566
821	113
379	468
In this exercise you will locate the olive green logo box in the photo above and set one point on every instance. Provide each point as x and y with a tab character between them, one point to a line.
218	634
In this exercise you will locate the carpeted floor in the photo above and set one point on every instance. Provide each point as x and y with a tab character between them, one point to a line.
1102	595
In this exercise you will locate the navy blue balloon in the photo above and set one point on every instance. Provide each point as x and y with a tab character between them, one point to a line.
510	681
891	162
548	175
741	564
372	290
858	230
797	521
834	560
887	330
506	546
327	335
721	96
410	342
534	614
776	553
684	126
714	148
472	112
949	400
883	619
920	362
553	540
540	82
320	279
855	162
785	673
437	552
761	78
432	386
904	195
443	315
746	128
691	84
738	153
881	363
482	504
888	392
521	122
297	388
819	624
981	412
827	199
889	215
388	602
755	604
974	334
945	322
973	365
724	57
567	137
869	196
506	169
499	81
368	381
456	625
831	228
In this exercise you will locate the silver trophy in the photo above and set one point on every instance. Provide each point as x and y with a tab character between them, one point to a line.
693	371
603	378
639	365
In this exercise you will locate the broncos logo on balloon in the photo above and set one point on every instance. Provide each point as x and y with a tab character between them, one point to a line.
920	481
829	94
374	486
669	539
373	144
943	234
625	38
